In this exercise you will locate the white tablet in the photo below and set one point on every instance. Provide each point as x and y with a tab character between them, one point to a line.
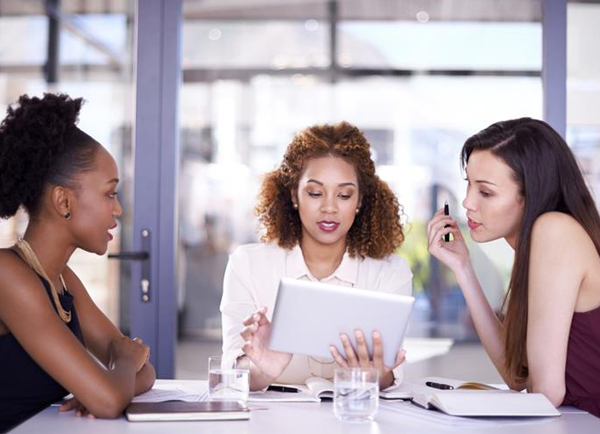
309	316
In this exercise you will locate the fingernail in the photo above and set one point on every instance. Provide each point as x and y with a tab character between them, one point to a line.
376	335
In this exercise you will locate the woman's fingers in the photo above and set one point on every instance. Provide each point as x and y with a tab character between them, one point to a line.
74	404
256	316
377	349
262	316
361	349
249	320
248	349
84	412
400	358
436	238
436	218
434	227
442	223
338	357
248	331
350	355
69	405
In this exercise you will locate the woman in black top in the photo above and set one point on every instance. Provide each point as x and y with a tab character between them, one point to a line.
50	329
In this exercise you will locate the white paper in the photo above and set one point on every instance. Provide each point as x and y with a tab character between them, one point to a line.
272	396
162	393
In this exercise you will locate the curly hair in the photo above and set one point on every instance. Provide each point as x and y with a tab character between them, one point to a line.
40	144
376	231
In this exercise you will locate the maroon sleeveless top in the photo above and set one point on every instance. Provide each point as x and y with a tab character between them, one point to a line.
582	373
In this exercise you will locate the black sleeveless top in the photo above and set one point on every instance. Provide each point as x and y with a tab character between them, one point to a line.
25	388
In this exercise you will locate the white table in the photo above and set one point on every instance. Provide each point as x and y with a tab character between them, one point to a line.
315	418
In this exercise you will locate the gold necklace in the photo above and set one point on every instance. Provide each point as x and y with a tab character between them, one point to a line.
35	264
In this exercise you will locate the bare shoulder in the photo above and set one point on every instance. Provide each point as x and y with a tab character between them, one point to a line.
21	290
556	234
558	226
14	270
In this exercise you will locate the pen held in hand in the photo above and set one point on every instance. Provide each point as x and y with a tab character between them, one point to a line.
446	212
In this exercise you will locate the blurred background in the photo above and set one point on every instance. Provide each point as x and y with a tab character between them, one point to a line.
417	76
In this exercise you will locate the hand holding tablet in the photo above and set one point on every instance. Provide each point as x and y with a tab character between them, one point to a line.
361	359
309	317
255	333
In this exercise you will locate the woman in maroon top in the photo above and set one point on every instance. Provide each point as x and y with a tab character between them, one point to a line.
524	185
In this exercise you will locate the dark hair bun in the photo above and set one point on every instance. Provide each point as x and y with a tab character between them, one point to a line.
32	136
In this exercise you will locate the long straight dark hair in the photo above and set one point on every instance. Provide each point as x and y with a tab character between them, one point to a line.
549	179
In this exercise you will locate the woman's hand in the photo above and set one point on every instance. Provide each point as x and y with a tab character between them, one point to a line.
256	335
74	404
132	350
361	358
455	253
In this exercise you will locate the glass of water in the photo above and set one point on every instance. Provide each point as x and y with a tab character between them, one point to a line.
225	381
356	394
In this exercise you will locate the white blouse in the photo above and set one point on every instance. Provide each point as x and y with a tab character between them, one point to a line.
252	280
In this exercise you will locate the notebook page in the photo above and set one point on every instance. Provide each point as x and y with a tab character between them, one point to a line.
493	403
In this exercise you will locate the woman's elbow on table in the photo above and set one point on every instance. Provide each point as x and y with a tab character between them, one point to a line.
108	403
554	393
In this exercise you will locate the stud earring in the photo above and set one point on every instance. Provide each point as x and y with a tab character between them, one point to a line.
357	210
295	206
67	215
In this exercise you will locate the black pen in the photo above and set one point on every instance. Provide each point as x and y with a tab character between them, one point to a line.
446	212
282	389
438	385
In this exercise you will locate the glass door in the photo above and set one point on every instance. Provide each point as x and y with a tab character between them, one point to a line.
122	57
83	51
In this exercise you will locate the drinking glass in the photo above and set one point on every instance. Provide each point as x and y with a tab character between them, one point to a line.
225	381
356	394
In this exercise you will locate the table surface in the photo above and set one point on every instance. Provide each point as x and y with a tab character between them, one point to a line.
278	417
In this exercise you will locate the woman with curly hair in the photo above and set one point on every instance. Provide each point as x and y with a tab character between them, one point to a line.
52	335
327	217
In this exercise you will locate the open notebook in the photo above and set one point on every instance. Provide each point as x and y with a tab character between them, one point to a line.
460	398
314	390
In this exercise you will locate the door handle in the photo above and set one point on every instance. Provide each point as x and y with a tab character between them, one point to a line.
130	256
144	256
